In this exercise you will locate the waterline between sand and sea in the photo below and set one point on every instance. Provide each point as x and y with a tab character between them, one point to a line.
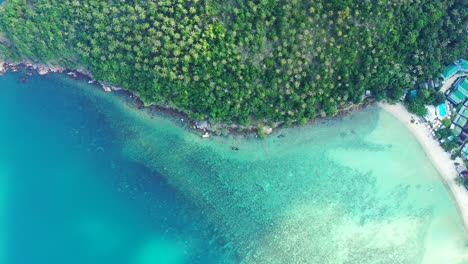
439	158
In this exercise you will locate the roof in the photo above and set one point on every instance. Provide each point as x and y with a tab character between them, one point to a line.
450	70
464	84
456	96
456	131
464	112
460	93
460	120
423	85
463	136
457	82
464	173
463	64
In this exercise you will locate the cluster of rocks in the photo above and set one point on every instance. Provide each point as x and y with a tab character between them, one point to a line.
267	130
224	129
44	69
203	126
40	68
6	66
106	88
109	88
2	67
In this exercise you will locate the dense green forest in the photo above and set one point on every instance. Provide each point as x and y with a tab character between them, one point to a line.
237	60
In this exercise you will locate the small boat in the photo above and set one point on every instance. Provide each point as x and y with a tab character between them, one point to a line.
235	148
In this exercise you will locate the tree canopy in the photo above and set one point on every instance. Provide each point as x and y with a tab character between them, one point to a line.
237	60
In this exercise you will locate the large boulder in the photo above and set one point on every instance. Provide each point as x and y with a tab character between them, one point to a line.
41	70
267	130
107	88
202	125
2	67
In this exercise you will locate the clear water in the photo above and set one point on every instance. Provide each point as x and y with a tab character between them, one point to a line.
68	195
442	111
86	178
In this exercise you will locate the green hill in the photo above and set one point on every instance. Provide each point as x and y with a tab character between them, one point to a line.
237	60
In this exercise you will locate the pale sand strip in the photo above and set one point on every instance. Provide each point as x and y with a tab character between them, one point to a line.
439	158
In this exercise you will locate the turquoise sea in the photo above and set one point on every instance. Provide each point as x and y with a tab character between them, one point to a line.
87	178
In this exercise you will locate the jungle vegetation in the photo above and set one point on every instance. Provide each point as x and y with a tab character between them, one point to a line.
240	60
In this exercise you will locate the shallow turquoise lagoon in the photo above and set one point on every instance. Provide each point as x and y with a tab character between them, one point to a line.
87	178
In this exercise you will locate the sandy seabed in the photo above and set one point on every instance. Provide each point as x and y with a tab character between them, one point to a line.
439	158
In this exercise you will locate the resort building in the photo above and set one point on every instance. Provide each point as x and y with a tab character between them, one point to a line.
459	66
464	110
456	130
459	92
464	65
450	70
460	121
459	125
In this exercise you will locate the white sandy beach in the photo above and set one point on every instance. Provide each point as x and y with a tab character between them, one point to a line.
439	158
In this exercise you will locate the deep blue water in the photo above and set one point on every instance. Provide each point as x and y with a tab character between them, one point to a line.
68	194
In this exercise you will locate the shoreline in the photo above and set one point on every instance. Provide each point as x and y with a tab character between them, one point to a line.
436	154
201	127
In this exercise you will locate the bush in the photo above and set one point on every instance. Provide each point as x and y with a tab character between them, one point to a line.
287	122
454	156
439	98
459	180
423	94
445	132
302	122
261	134
416	106
449	145
446	122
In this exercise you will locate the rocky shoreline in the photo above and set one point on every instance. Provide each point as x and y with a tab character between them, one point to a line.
202	127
